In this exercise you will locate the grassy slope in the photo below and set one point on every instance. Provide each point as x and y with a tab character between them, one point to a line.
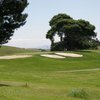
8	50
39	78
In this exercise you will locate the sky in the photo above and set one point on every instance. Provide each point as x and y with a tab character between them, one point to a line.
40	12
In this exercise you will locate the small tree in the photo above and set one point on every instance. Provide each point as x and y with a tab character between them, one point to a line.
11	17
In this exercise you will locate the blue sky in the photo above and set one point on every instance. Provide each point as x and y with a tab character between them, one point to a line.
32	34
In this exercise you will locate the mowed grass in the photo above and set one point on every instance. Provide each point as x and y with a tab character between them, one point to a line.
40	78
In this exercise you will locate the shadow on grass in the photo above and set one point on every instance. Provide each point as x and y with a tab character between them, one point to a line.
13	85
84	51
1	85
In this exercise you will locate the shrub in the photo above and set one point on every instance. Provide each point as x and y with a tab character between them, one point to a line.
79	93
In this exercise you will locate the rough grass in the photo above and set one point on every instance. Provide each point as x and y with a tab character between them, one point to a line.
40	78
8	50
79	93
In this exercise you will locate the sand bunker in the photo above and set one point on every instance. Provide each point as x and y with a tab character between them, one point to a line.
61	55
52	56
15	56
69	54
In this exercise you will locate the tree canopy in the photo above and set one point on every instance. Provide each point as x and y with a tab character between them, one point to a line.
74	34
11	17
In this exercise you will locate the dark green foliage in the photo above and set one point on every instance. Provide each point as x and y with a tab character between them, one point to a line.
57	46
95	43
11	17
74	34
58	17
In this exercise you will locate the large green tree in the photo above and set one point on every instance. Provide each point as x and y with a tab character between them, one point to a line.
11	17
74	34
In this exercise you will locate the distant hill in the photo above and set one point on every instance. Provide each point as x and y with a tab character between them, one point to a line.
46	47
7	50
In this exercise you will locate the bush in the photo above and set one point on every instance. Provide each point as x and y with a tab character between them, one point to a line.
79	93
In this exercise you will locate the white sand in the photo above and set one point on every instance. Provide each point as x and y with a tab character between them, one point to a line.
52	56
69	54
15	56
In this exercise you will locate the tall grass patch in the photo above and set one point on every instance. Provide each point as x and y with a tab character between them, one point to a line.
79	93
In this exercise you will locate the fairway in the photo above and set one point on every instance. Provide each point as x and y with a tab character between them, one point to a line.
41	78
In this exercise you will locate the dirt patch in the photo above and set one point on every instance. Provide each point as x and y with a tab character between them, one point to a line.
15	56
